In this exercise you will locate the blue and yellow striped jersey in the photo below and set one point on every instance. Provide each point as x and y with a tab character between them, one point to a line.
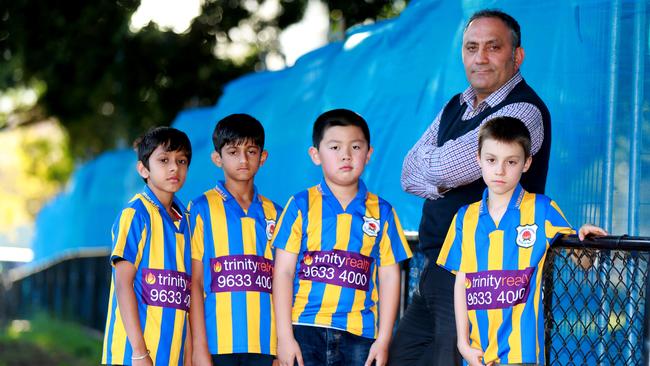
145	235
234	246
503	265
339	252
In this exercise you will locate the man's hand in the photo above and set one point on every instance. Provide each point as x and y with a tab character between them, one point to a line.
288	351
378	353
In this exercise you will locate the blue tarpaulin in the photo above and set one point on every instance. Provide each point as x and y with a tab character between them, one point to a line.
586	59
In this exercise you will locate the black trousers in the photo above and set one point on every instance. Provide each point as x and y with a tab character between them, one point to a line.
242	359
426	335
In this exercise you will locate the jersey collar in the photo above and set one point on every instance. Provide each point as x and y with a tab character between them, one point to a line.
223	192
514	204
150	197
361	195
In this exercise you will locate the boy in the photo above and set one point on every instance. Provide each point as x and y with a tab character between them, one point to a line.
150	291
232	263
337	253
497	247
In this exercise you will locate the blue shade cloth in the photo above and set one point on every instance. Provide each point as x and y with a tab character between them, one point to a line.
586	59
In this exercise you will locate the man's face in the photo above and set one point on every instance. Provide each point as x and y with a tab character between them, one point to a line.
488	56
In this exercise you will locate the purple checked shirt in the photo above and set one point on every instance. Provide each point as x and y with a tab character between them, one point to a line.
430	170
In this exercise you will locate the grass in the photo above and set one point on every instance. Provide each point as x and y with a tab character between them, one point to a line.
46	341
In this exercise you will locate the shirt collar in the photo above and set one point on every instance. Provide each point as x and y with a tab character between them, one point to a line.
151	198
223	192
469	95
514	204
325	189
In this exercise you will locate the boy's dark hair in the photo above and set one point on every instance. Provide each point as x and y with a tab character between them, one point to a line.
505	129
338	117
170	138
508	20
237	129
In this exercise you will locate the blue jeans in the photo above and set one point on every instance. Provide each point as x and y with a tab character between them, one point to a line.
331	347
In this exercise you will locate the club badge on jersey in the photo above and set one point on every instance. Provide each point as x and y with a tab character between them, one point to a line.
270	229
526	235
370	226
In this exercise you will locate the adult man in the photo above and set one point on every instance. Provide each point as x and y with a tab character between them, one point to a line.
442	168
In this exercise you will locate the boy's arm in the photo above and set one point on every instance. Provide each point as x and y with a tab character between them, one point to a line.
284	271
124	275
187	357
389	291
473	356
557	224
201	353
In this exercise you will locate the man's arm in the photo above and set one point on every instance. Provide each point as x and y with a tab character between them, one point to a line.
413	179
389	290
429	170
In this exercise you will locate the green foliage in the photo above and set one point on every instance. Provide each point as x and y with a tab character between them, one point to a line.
356	12
47	161
35	165
48	341
104	83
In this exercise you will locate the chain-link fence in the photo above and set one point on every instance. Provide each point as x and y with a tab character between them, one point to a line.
594	297
595	301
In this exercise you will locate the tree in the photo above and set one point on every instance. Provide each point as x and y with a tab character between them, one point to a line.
107	84
78	65
104	83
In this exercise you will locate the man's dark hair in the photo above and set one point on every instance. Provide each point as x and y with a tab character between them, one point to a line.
505	129
168	137
509	21
237	129
338	117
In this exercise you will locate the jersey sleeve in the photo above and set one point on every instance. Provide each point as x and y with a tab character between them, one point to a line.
129	236
393	247
451	253
288	231
556	224
278	209
196	231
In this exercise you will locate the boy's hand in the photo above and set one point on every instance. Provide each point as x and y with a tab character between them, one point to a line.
201	358
378	353
473	356
585	259
288	351
589	229
143	362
